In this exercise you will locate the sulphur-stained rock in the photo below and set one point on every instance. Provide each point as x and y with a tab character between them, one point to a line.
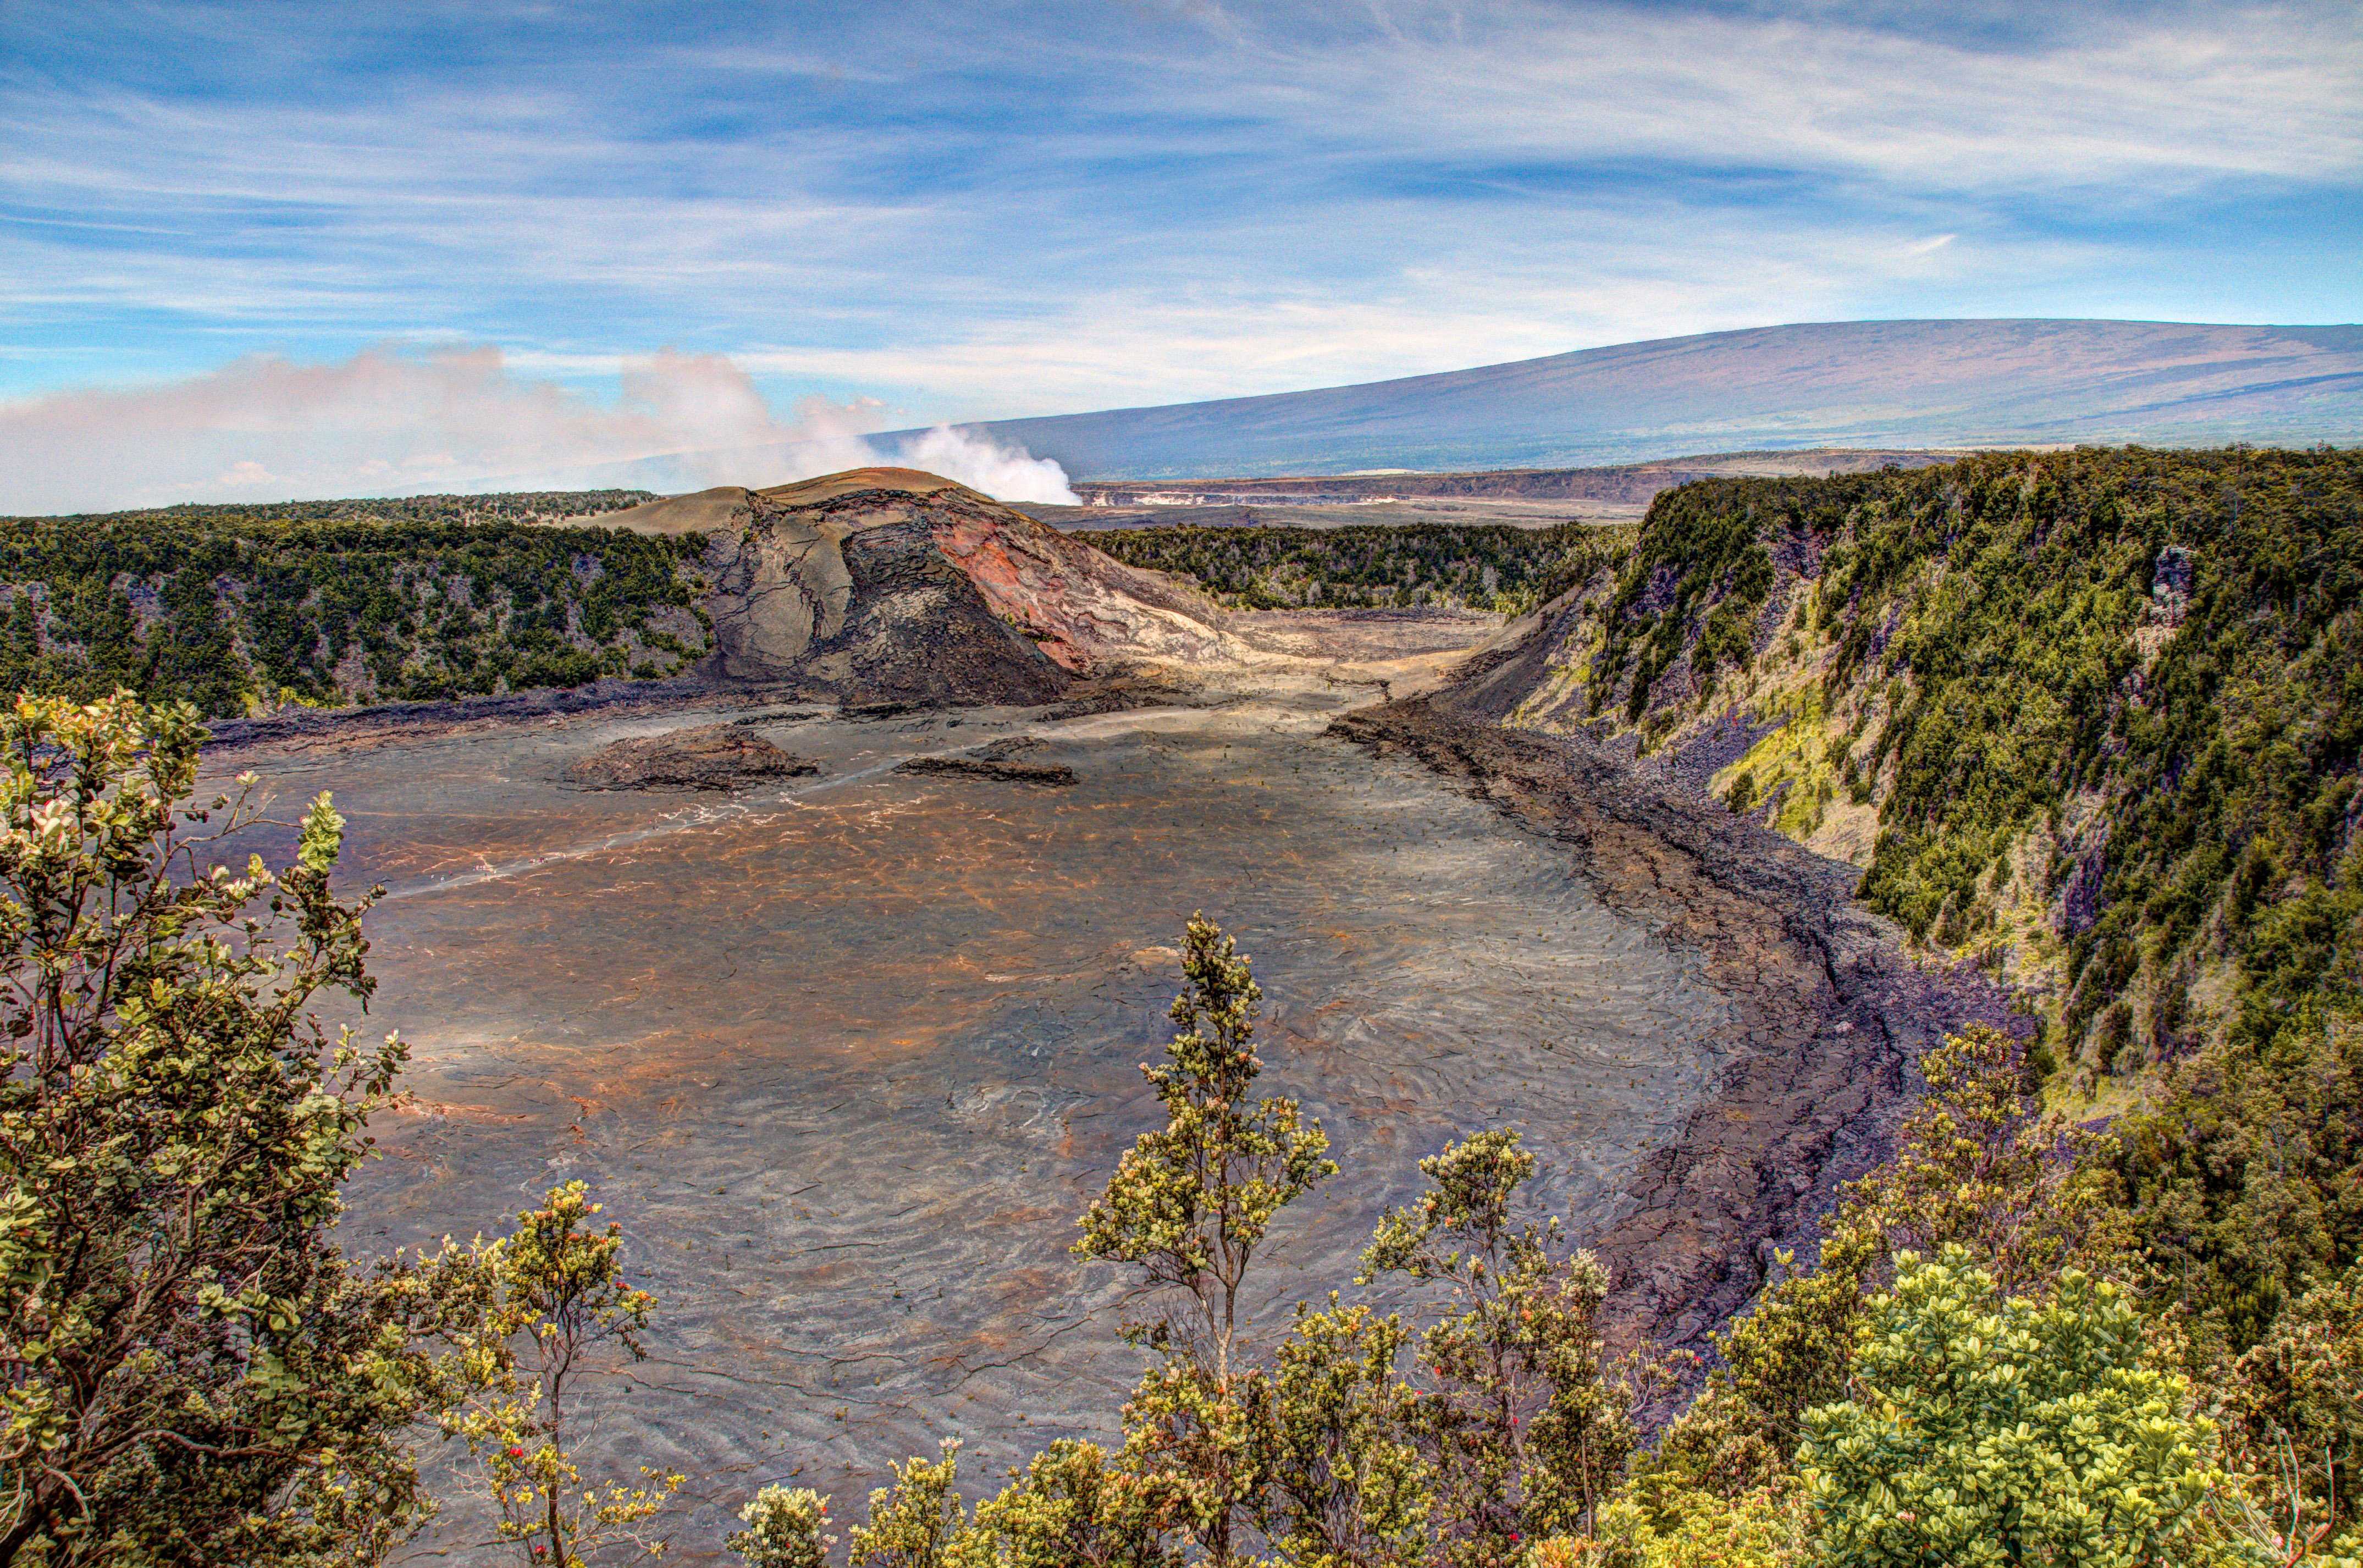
1080	607
887	585
712	756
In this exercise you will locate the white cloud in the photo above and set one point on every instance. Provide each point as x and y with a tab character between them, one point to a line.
246	475
2263	91
1465	304
460	418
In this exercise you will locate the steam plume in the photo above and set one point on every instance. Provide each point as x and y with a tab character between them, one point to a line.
1006	474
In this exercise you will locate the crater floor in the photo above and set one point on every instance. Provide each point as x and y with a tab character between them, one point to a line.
848	1055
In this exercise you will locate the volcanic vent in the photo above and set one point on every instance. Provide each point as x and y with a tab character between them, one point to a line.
892	585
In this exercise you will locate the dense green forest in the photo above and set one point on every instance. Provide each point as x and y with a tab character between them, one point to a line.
2090	718
2106	706
241	608
1482	567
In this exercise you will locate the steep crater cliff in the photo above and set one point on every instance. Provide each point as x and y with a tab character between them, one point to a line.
2089	720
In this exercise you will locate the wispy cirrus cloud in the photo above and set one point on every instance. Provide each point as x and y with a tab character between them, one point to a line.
2180	100
981	210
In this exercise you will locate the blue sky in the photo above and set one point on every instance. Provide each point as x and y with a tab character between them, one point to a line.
922	212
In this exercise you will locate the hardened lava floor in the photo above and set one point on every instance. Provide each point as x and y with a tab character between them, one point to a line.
847	1056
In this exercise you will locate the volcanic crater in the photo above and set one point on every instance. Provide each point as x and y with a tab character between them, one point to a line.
847	1051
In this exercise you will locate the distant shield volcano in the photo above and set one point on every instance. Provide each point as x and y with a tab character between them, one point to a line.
1843	384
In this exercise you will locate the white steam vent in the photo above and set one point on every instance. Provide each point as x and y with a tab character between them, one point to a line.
977	460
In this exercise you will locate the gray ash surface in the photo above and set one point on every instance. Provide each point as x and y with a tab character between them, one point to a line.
848	1055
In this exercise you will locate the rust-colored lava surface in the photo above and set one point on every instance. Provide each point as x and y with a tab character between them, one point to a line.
848	1055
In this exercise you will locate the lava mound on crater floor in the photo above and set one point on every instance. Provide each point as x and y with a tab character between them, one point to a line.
889	584
998	762
712	756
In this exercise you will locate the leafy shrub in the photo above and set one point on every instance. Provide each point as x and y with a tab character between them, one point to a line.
193	1372
555	1297
1069	1508
1696	1530
1190	1205
786	1527
1977	1166
914	1521
1526	1422
2292	1408
1348	1480
1984	1430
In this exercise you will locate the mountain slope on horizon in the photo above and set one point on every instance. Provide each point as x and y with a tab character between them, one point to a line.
1851	383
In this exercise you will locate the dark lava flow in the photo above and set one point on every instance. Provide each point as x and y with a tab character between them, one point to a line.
848	1055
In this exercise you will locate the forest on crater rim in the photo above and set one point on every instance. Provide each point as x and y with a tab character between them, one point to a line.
239	609
2090	718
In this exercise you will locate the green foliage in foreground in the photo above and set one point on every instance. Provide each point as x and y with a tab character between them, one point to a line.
1353	1443
1987	1364
2017	1204
1528	1426
1475	566
230	608
1991	1432
787	1527
554	1298
192	1372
